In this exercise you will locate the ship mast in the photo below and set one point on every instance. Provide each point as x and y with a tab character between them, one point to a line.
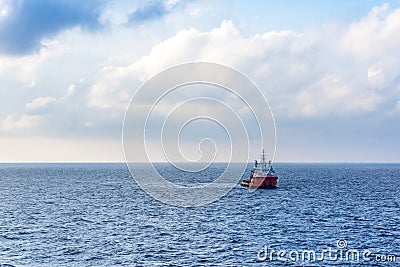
263	156
264	163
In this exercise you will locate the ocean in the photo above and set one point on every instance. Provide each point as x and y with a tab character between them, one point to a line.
96	215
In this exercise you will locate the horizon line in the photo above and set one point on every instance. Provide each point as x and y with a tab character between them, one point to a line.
139	162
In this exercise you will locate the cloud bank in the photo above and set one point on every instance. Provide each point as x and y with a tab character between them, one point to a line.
26	23
70	79
330	71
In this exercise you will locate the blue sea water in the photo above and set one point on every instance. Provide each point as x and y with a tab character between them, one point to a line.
96	215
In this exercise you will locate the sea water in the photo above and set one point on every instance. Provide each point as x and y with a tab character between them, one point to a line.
96	215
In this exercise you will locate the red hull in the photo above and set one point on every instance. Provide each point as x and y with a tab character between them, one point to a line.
268	182
263	182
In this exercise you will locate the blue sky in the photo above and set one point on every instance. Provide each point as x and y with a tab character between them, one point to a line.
329	69
298	15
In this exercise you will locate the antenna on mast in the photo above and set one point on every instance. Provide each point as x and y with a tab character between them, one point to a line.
263	155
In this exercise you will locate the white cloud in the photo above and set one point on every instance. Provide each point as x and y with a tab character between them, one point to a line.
111	91
375	35
117	12
15	122
374	70
25	68
312	74
70	90
5	8
169	4
40	104
117	83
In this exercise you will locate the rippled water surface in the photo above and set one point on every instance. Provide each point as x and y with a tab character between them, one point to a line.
95	215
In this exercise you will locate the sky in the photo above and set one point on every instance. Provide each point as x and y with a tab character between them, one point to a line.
330	71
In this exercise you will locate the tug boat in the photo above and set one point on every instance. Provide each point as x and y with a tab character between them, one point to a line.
262	175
